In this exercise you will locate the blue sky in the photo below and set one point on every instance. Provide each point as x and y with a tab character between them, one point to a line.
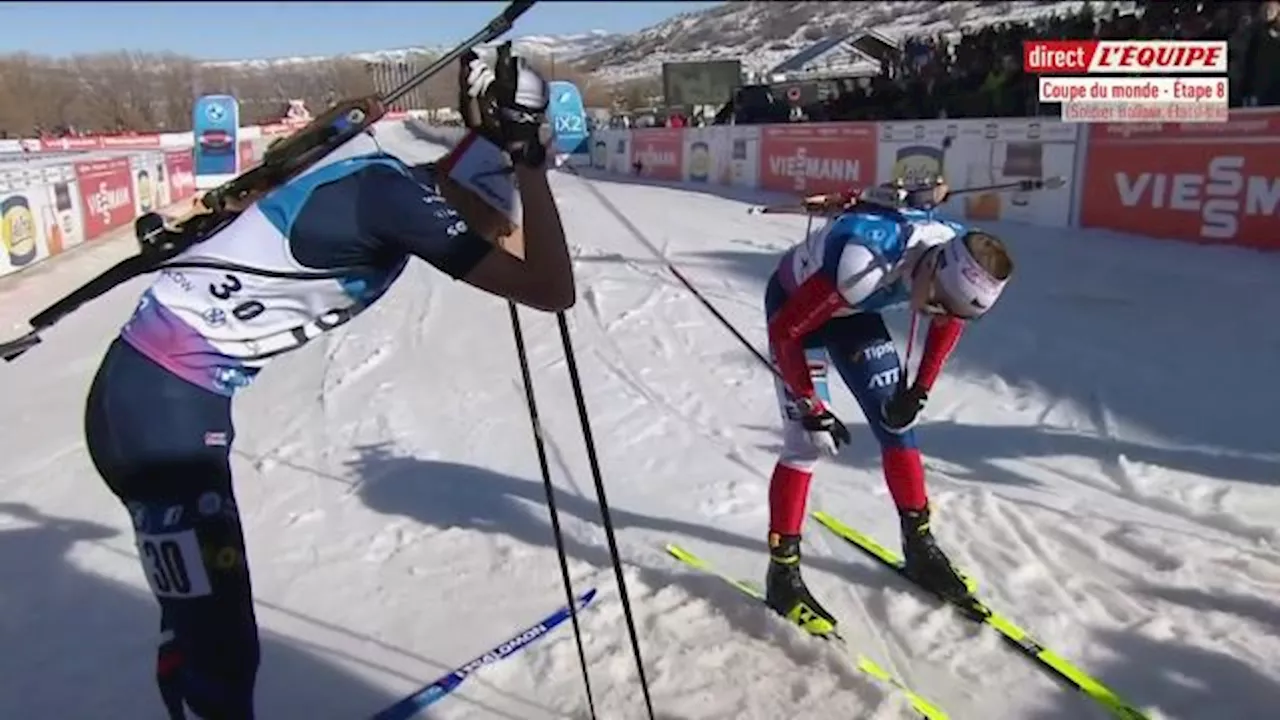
282	29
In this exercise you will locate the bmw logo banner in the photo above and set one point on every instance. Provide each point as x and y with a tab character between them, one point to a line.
215	127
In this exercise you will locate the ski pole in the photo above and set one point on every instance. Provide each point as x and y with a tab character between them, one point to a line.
639	237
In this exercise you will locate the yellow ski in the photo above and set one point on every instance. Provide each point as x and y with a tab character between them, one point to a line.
924	707
1014	636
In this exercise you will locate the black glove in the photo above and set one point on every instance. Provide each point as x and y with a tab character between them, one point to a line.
818	419
901	411
510	104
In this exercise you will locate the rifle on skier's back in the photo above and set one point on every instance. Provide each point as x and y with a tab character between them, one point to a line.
161	239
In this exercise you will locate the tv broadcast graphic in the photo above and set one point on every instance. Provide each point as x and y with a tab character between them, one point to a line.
215	125
1094	79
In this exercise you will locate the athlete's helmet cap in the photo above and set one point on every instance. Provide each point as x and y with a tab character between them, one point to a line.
970	272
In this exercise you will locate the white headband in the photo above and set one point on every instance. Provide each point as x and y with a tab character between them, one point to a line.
970	290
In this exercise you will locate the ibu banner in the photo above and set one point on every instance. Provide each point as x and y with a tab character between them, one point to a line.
568	118
215	125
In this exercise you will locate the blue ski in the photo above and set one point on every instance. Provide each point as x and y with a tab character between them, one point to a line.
412	704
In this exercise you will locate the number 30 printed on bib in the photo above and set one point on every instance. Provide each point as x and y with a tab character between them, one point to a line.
174	564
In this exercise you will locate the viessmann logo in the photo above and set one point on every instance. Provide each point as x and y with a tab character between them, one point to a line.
107	199
1220	196
183	181
655	157
802	167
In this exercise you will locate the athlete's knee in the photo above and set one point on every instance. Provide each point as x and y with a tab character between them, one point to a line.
890	440
799	450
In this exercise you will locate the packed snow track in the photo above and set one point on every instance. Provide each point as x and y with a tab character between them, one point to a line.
1102	457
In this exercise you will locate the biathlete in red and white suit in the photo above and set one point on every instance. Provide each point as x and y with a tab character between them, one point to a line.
880	249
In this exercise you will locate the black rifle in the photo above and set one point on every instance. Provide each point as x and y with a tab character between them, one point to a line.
161	240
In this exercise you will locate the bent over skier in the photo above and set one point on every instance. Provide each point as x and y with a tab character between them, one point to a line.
297	261
824	304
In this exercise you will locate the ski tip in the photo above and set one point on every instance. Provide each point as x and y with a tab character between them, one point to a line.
585	598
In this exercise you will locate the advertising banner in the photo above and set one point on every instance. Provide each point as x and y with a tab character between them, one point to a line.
600	149
986	152
704	153
215	125
659	153
177	167
19	231
106	193
150	187
61	218
620	152
568	118
744	155
248	156
817	157
1202	182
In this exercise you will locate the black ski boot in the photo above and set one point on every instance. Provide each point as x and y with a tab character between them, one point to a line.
927	565
786	592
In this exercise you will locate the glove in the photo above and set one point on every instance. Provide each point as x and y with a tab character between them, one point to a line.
824	428
512	102
900	412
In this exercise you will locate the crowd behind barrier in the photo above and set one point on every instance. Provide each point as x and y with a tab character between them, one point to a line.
978	72
1208	183
58	193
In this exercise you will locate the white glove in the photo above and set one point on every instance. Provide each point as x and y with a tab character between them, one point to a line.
479	77
516	103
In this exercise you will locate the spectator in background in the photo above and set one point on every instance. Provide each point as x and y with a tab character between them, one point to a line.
977	72
1259	57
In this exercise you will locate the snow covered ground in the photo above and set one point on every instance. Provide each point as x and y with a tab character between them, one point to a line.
1103	455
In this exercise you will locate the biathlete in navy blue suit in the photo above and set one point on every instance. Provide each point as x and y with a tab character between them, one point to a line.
879	250
297	261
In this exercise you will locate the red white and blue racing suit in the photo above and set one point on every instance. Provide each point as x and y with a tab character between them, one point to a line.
824	305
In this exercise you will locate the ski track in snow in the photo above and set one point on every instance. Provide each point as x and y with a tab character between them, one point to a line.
1105	466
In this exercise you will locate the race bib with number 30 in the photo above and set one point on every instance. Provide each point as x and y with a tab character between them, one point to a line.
174	564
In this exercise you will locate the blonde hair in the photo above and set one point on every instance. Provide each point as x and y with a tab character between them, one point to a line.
990	253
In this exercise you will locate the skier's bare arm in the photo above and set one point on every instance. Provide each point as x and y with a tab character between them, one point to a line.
535	269
456	231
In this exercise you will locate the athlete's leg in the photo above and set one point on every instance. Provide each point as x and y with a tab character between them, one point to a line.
785	590
792	473
789	484
162	445
864	354
867	359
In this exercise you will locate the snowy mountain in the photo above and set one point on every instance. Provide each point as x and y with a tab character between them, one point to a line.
761	34
561	47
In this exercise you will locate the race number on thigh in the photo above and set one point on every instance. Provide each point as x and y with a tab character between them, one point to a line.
174	564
